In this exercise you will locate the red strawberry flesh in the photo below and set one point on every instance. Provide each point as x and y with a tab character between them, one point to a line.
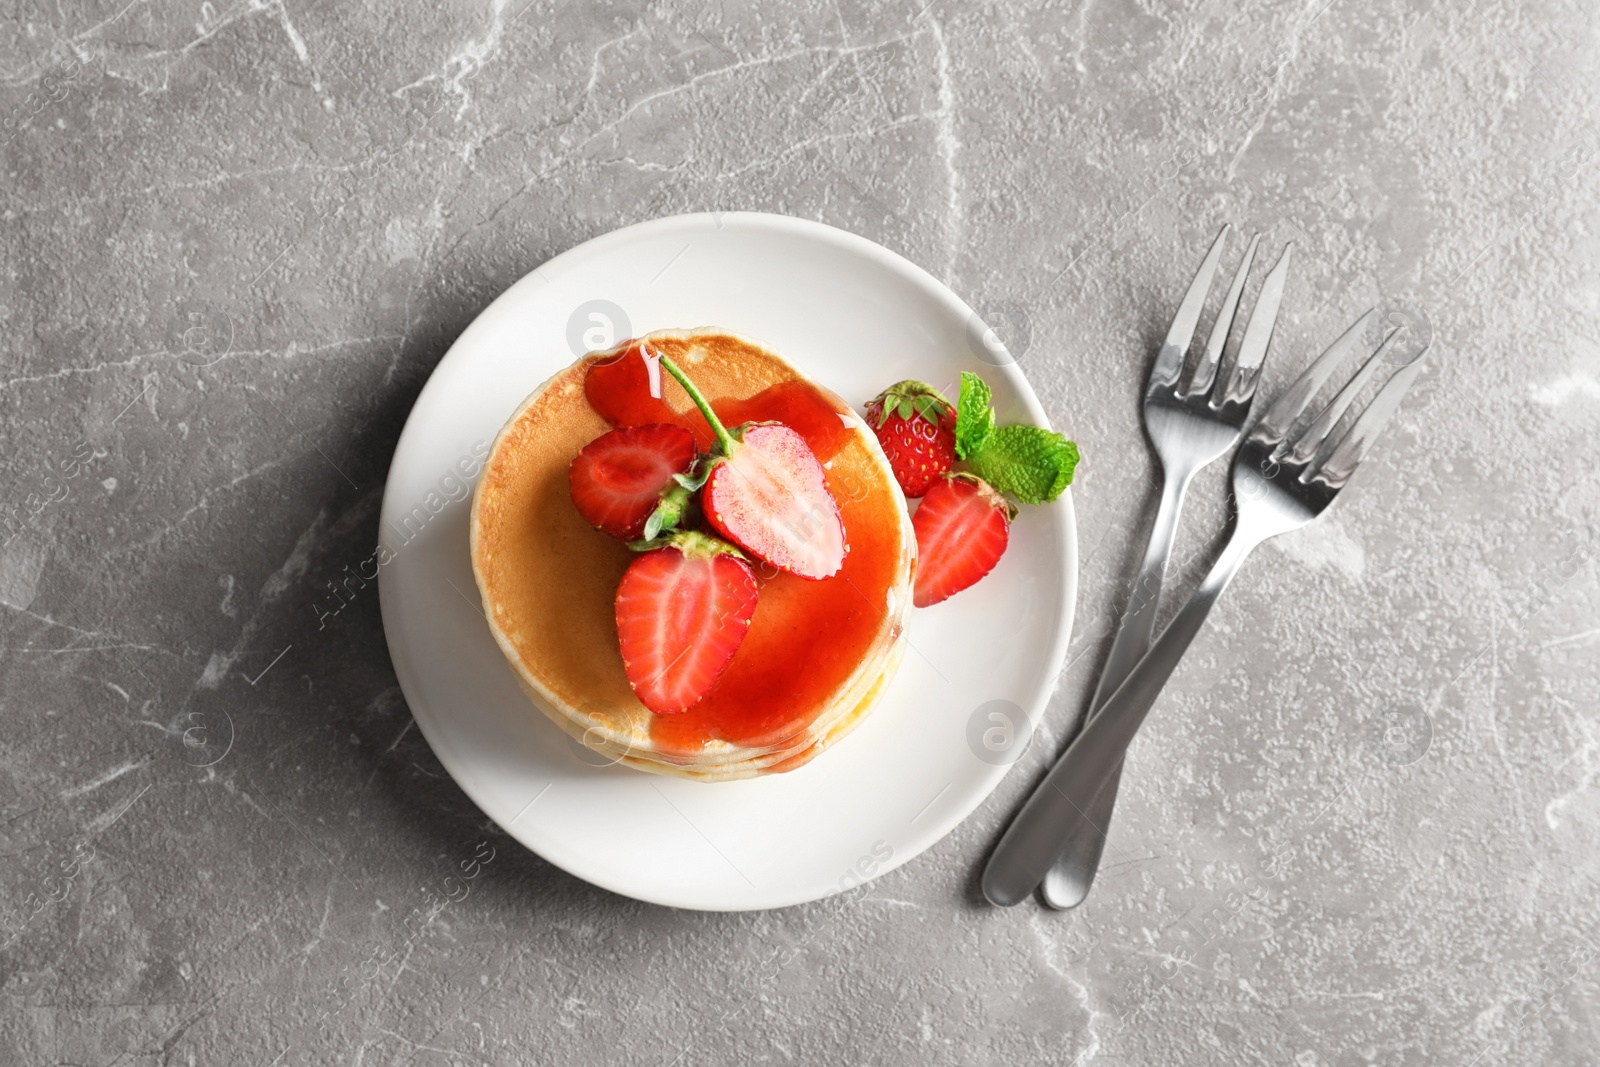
962	528
682	612
770	497
617	479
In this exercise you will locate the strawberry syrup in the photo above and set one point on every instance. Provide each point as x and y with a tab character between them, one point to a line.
807	637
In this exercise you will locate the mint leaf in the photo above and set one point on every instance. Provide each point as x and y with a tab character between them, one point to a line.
1028	462
974	416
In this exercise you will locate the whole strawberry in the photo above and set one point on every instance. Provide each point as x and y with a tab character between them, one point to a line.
917	428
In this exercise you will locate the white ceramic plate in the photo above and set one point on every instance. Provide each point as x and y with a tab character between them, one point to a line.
856	318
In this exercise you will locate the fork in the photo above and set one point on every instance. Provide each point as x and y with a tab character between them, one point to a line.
1190	426
1283	478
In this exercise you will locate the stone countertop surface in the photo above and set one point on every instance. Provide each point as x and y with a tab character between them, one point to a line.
238	236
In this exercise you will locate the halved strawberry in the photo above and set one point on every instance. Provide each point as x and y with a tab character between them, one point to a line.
916	426
962	528
771	498
618	478
767	493
682	612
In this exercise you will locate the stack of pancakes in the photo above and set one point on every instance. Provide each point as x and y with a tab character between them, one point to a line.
549	582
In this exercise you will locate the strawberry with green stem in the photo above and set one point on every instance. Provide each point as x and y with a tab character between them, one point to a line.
765	491
916	427
964	522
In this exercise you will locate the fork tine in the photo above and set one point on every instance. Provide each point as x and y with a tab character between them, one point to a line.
1280	417
1169	363
1205	372
1354	447
1310	439
1252	351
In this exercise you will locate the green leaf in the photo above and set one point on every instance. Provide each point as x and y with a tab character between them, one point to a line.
1028	462
695	477
974	416
910	399
671	508
652	525
691	543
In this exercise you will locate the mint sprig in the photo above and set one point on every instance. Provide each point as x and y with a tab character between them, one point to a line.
974	416
1027	462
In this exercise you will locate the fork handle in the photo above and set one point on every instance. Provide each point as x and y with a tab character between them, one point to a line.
1073	872
1036	836
1139	620
1071	876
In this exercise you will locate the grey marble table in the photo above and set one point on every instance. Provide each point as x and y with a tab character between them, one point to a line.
237	237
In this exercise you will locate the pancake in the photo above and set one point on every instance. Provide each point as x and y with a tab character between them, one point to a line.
817	655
